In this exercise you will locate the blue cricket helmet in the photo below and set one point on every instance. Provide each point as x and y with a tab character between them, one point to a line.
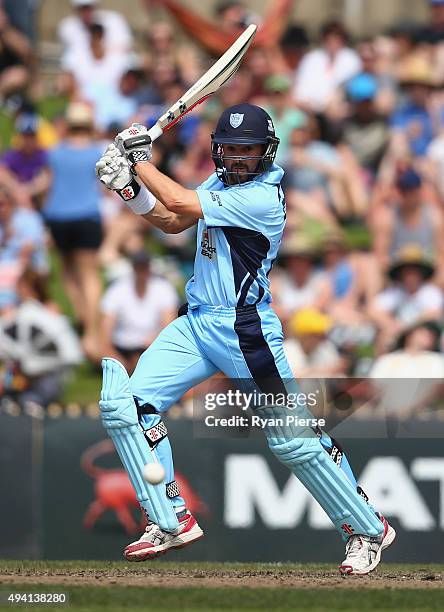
243	124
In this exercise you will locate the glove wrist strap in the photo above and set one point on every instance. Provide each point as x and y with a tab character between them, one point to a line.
137	197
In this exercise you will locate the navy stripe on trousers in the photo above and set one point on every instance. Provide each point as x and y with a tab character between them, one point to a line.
257	353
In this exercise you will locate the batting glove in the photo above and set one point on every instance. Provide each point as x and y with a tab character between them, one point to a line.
113	171
135	144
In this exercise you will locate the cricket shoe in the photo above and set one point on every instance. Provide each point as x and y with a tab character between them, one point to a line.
363	553
155	541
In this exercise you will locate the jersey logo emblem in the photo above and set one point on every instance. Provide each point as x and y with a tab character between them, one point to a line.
236	119
207	248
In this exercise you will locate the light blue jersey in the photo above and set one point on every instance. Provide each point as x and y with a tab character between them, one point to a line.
229	327
237	241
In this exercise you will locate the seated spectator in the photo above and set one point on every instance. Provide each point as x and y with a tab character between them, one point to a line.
22	245
407	219
416	358
322	70
309	352
298	283
372	54
364	130
433	31
37	345
410	299
196	164
279	106
412	121
294	44
27	163
74	30
354	280
15	55
98	75
165	73
134	310
163	45
71	211
314	177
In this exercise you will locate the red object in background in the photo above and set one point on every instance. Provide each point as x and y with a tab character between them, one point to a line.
113	491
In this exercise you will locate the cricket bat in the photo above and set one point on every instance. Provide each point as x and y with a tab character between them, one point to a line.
208	84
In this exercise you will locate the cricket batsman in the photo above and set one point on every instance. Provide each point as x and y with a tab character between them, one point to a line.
228	325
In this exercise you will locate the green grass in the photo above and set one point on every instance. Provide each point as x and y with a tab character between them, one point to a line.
115	595
137	599
83	386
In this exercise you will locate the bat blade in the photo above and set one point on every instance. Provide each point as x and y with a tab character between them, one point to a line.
208	83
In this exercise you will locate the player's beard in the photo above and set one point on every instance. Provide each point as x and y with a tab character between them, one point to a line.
240	173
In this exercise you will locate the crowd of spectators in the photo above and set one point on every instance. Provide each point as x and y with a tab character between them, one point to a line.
359	283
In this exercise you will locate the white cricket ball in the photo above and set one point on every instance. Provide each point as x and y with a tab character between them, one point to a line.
154	473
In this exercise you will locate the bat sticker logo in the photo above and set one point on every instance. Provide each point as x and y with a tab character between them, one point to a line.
182	107
236	119
170	117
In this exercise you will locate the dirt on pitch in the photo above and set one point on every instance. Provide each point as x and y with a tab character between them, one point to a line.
154	575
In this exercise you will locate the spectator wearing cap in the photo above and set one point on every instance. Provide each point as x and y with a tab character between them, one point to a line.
409	377
410	299
364	130
326	68
279	106
309	352
26	164
298	283
412	121
373	54
75	30
71	211
134	310
407	218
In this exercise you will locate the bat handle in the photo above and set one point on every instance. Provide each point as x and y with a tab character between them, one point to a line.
155	132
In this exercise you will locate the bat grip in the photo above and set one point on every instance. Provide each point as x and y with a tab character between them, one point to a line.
155	132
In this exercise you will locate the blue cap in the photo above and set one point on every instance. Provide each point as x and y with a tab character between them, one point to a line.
27	123
361	87
409	179
437	2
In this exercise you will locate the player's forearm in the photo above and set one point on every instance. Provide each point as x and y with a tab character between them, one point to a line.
167	221
173	196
